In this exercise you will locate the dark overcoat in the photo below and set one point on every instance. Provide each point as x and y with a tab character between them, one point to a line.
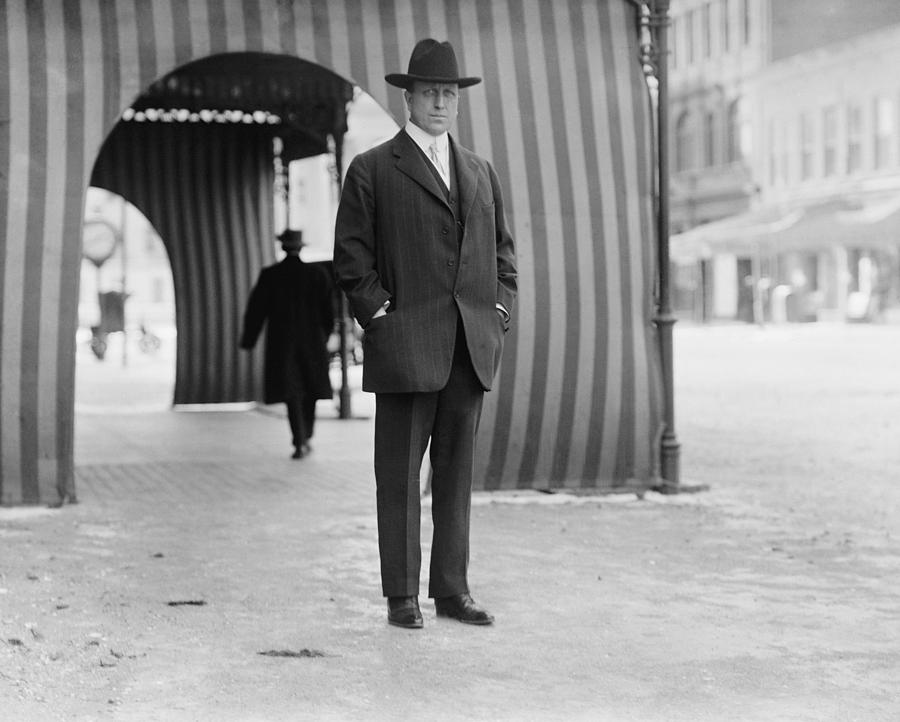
294	301
397	238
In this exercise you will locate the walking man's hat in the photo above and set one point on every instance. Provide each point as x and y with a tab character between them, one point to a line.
291	240
431	62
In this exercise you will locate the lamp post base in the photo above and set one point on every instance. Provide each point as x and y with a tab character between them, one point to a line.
670	459
669	489
344	409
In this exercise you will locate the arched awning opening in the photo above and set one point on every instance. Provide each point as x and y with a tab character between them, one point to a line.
303	102
195	152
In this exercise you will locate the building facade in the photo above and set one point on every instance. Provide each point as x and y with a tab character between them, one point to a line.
786	150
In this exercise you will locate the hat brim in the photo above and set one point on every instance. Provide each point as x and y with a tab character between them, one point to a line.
291	240
403	80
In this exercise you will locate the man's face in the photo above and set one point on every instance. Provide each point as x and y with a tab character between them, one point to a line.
433	106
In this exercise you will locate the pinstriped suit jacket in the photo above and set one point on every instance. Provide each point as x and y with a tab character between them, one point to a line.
396	239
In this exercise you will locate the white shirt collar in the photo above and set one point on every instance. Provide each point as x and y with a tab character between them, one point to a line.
424	139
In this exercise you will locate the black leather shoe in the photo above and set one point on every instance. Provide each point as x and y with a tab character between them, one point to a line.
404	612
298	453
463	608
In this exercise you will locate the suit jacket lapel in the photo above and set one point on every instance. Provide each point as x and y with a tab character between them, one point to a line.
466	178
409	160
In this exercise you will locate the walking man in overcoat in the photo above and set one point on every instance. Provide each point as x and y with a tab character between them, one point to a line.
294	301
424	254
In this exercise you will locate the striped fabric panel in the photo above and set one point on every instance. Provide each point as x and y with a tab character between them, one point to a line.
207	210
562	114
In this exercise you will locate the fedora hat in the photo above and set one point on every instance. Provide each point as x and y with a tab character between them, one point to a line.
431	62
291	240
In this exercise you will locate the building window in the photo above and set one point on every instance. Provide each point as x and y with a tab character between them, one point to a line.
746	138
773	156
689	36
885	125
745	17
673	43
779	152
829	146
706	29
725	9
854	139
684	142
733	133
785	152
709	139
806	146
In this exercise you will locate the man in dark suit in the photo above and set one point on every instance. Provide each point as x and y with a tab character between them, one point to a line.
424	254
294	299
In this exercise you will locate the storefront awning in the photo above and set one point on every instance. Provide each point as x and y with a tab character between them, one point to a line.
871	221
734	234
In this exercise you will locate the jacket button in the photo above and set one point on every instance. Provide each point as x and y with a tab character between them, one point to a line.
450	263
445	230
456	294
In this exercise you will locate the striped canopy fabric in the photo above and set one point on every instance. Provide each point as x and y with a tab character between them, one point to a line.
207	190
563	114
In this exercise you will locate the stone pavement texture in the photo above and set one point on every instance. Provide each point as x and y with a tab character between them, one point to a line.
203	575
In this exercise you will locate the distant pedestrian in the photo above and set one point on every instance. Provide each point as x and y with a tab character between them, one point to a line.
425	256
294	300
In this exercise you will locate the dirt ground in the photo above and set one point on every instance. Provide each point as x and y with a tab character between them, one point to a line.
185	587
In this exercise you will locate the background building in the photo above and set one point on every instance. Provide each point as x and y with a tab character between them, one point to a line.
786	158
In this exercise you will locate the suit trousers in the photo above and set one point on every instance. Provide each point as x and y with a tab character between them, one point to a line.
404	424
301	413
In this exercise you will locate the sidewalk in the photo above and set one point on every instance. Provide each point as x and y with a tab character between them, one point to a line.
696	607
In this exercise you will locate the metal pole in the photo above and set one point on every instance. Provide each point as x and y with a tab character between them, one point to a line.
122	235
282	198
670	449
344	322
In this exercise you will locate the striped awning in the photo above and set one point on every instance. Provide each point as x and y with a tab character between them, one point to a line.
563	114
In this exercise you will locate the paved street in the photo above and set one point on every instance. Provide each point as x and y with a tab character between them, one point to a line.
205	576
